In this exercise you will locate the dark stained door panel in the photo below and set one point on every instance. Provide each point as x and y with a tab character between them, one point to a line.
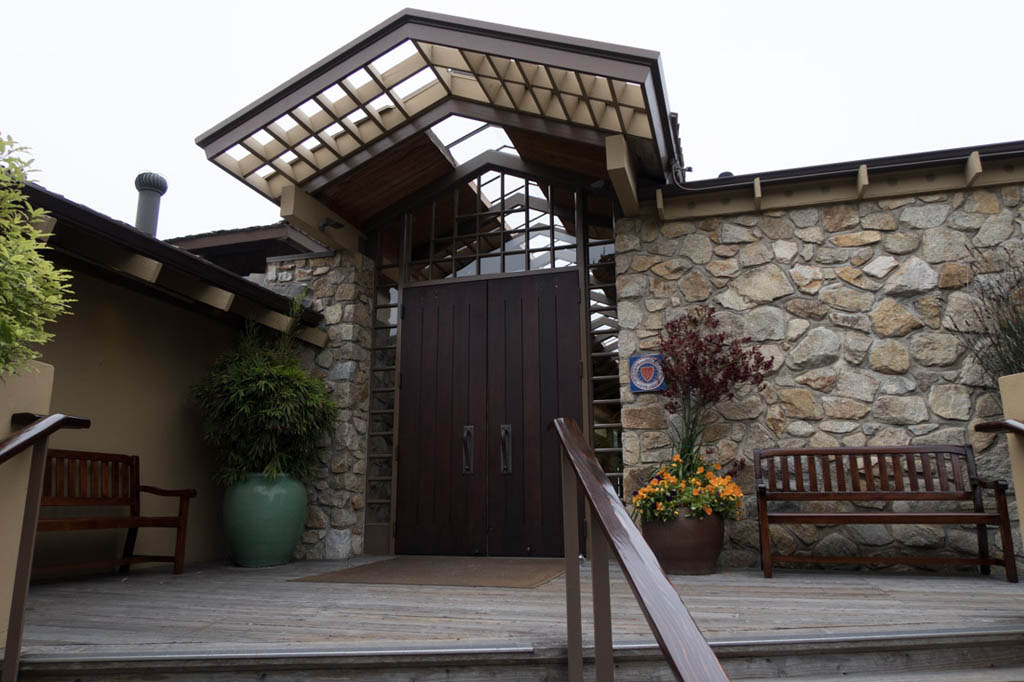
486	367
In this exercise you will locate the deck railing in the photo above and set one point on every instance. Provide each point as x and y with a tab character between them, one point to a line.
687	652
33	436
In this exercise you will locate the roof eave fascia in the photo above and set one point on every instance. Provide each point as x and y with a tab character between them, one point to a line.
917	160
929	172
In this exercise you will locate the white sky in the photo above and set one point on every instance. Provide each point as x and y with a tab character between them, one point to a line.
102	90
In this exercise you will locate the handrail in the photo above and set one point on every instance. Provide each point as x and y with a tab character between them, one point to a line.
40	427
687	652
35	436
1001	426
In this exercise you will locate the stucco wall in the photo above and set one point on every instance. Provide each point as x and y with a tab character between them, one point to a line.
338	286
855	302
126	361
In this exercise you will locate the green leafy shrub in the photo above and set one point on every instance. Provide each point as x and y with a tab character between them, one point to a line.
32	291
262	412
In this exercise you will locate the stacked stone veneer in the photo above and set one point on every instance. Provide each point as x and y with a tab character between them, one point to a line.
339	286
855	302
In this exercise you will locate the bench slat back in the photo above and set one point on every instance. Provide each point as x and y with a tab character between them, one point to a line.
935	472
80	479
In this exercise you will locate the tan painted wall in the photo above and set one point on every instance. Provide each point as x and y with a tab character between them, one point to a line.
126	361
27	391
1011	391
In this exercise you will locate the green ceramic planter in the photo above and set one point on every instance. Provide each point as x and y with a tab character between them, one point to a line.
263	520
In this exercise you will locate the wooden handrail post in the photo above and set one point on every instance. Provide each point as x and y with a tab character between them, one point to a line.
603	662
614	533
34	436
23	570
573	609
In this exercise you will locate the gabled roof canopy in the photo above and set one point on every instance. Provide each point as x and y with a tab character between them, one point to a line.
362	119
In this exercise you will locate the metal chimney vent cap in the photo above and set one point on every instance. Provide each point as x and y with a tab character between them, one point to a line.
151	181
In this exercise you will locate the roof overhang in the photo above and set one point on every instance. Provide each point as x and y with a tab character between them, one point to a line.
85	239
389	86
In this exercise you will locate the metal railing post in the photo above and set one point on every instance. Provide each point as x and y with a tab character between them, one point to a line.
573	610
603	662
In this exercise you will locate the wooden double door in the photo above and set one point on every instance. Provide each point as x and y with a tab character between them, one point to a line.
486	366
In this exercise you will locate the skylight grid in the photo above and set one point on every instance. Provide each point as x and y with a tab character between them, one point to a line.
381	95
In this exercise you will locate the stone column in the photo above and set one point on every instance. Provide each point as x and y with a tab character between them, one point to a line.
339	286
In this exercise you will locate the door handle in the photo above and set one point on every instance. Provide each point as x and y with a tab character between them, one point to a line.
467	449
505	437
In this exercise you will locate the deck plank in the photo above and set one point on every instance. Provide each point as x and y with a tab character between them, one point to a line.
227	609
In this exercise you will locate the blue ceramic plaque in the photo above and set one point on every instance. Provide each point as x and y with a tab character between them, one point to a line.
646	374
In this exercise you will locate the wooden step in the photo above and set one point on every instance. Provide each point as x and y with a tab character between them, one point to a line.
1014	674
968	656
873	656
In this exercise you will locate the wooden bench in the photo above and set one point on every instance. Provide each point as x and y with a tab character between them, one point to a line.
926	473
97	479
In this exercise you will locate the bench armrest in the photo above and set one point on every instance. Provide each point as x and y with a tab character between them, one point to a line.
998	484
762	488
168	493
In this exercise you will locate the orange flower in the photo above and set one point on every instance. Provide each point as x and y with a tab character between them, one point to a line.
677	458
718	467
707	510
700	470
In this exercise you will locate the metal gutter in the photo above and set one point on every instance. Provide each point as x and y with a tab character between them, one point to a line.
919	160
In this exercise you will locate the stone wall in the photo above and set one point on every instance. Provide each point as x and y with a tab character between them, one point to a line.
339	286
855	302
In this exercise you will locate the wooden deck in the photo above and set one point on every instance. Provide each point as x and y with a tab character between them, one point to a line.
220	610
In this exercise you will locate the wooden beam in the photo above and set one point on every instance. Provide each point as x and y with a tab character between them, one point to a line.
277	321
622	173
260	315
862	180
196	289
313	335
140	267
757	193
311	217
45	225
973	168
659	199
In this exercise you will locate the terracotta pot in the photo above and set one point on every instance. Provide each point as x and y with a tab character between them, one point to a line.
688	546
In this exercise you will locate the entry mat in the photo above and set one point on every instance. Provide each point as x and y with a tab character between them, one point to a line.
451	571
